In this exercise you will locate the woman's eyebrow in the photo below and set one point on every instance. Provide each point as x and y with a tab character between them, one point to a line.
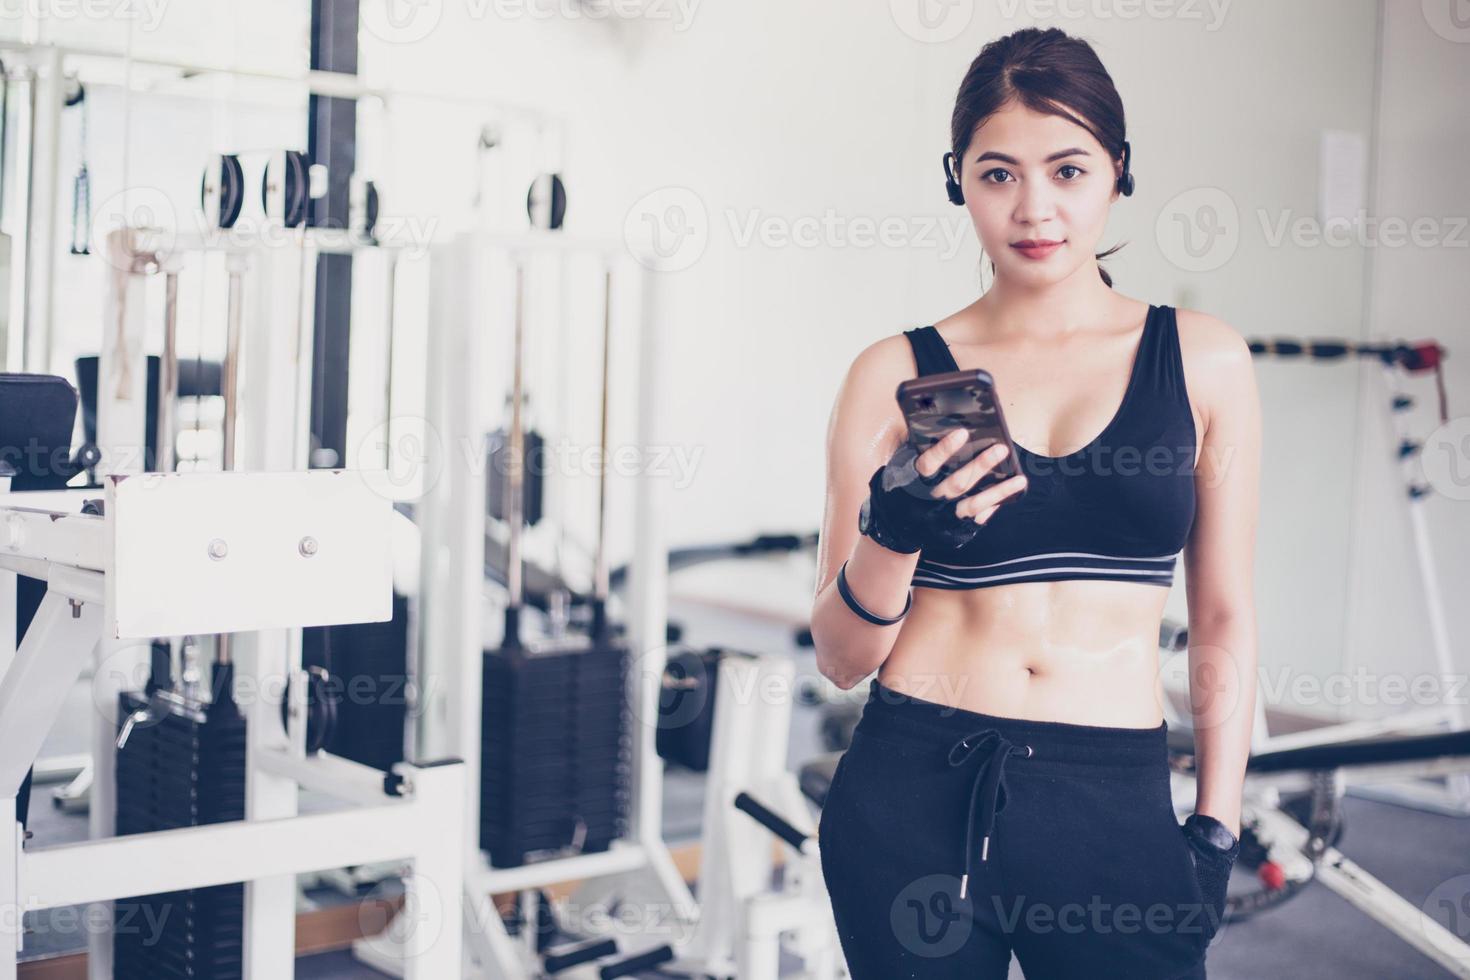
1075	151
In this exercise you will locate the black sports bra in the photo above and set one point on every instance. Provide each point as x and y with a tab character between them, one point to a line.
1119	508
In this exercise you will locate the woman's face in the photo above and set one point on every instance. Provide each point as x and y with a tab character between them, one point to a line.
1032	177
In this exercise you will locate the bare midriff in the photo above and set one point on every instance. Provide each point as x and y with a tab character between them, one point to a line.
1079	651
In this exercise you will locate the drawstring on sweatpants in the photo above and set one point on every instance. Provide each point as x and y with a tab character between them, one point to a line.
989	779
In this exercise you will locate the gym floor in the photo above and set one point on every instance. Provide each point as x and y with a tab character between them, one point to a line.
1317	934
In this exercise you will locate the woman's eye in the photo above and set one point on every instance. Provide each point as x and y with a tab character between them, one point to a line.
995	176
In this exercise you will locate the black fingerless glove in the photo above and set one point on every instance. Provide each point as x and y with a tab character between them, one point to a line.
1212	860
902	516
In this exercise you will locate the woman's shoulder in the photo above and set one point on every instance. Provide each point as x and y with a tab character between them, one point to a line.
1218	367
866	394
887	357
866	425
1209	337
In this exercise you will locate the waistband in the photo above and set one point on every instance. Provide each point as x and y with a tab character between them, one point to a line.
898	714
963	735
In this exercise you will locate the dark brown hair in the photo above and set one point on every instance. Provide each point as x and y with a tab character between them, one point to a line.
1047	71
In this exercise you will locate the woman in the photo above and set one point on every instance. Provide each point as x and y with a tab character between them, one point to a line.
1007	788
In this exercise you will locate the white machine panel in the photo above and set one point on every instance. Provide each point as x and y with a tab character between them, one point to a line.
49	526
227	552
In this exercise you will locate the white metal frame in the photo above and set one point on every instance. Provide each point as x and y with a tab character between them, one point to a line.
744	918
43	67
273	300
46	535
464	306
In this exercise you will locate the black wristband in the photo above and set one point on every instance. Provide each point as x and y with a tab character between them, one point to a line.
857	607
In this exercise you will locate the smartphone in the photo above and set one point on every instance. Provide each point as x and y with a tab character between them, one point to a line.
936	404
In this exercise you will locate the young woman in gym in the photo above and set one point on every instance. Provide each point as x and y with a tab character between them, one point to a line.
1007	788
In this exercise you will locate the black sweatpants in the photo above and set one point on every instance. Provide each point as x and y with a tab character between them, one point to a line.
950	838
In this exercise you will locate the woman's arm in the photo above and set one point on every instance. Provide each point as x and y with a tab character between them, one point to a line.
864	430
1219	563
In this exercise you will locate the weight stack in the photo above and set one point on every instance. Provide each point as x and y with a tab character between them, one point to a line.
555	752
183	768
369	667
686	707
497	448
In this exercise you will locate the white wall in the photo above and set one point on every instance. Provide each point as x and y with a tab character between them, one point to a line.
1419	291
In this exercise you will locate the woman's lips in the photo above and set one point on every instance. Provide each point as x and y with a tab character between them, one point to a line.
1037	251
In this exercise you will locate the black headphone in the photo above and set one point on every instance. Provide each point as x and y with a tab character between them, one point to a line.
956	196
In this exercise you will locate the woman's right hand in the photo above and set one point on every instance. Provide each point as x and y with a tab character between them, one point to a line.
983	504
909	506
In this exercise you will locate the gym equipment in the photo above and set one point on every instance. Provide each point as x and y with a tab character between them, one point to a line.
546	202
413	813
1395	358
36	417
473	288
362	211
107	575
318	705
686	710
42	70
81	191
6	243
751	798
533	476
1291	816
180	763
469	275
222	190
4	124
366	658
285	188
1287	852
190	379
1415	358
554	769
